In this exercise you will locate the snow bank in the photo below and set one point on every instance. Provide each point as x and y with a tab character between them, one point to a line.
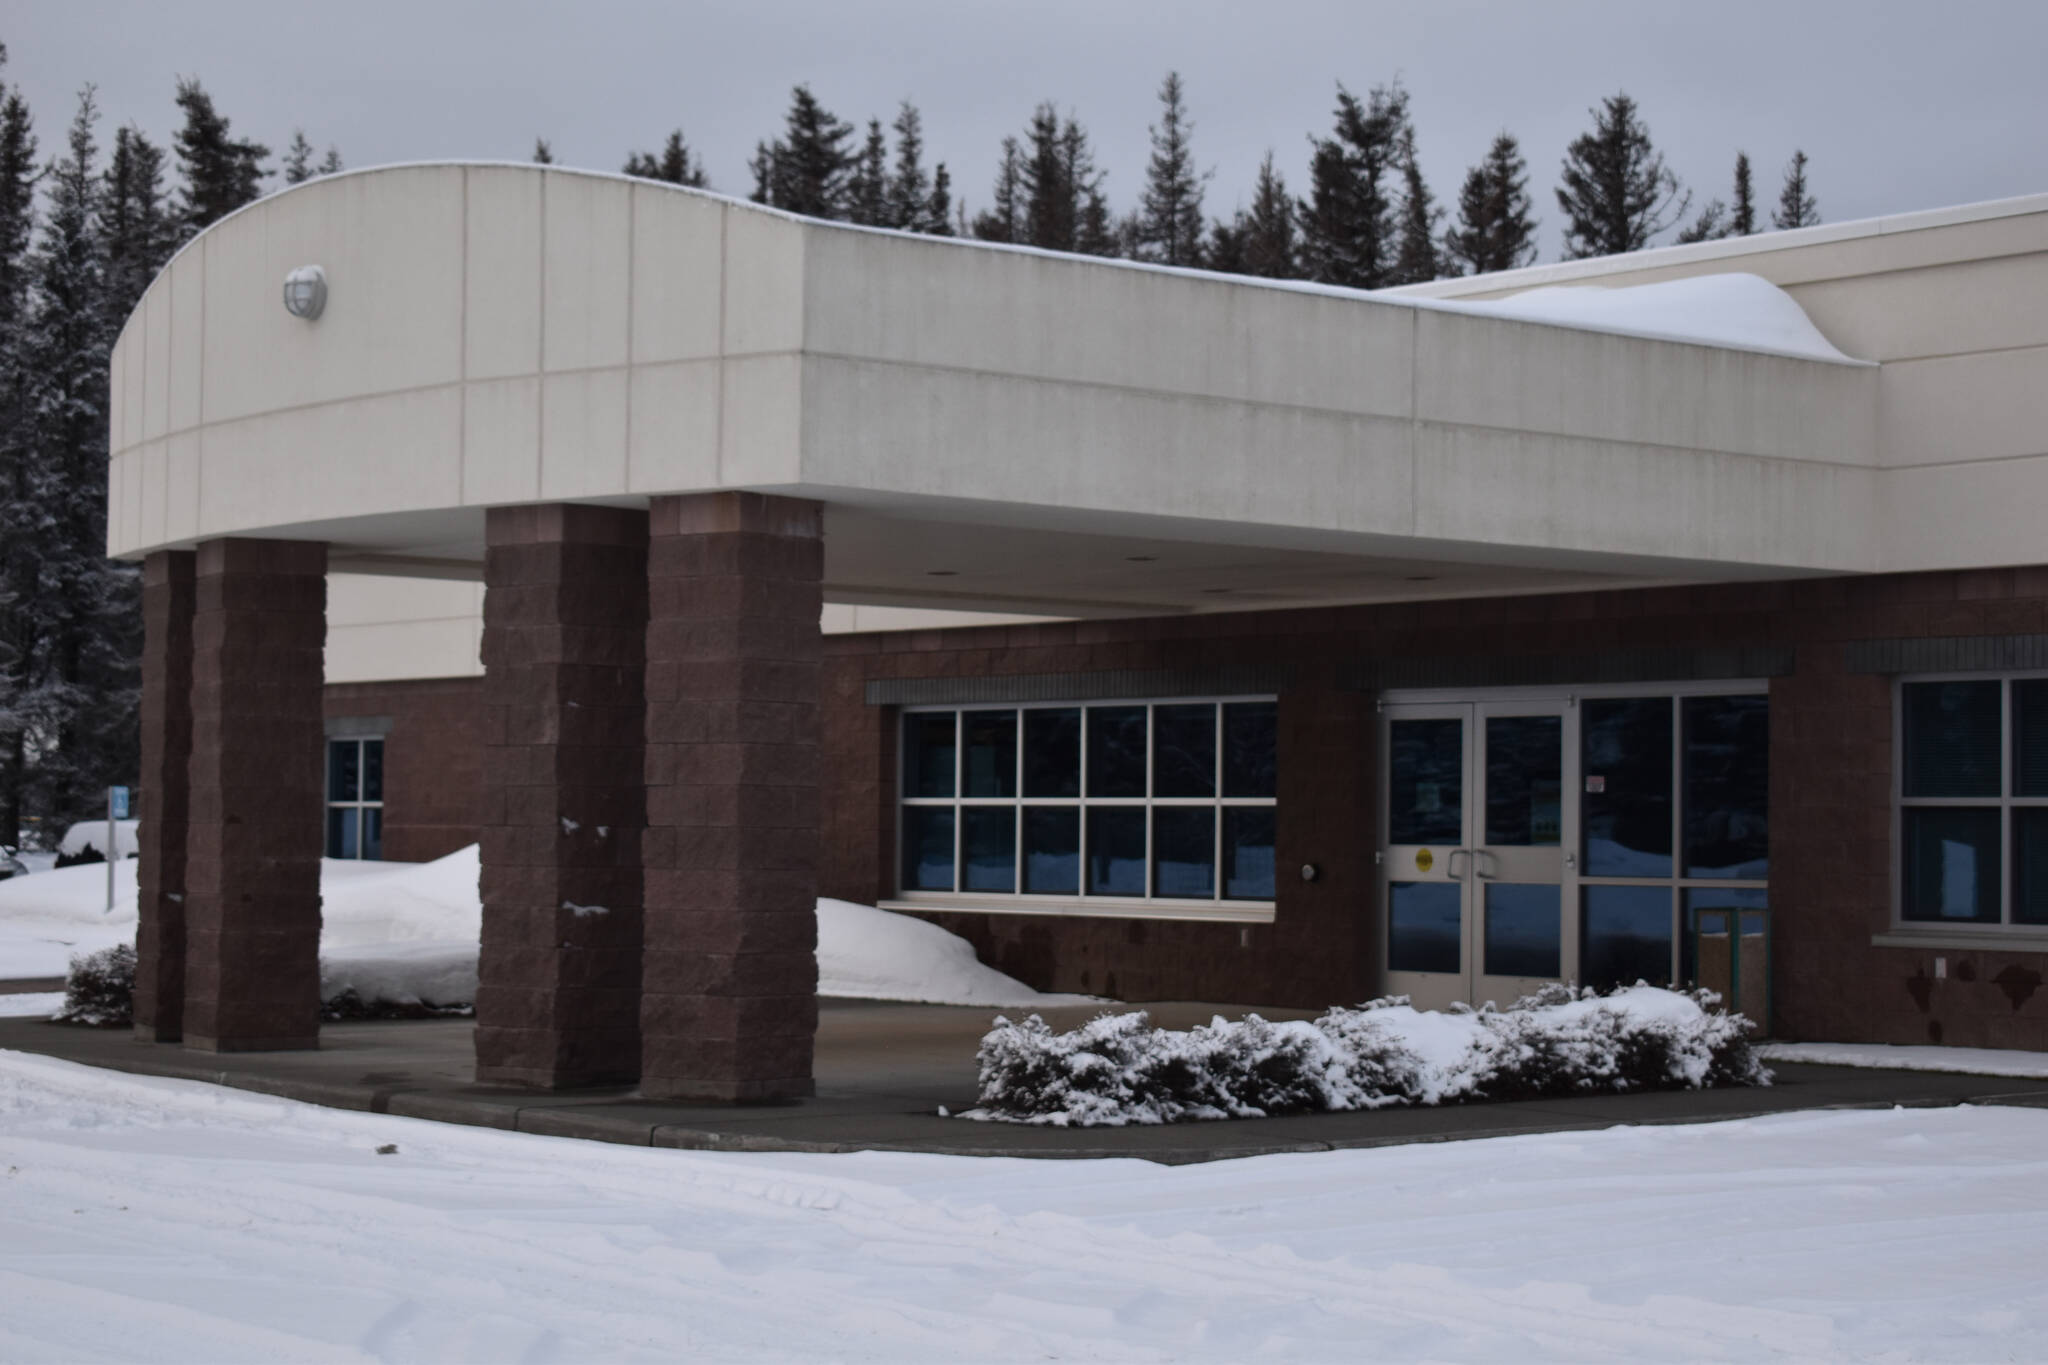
1740	310
1968	1061
1118	1070
405	934
871	954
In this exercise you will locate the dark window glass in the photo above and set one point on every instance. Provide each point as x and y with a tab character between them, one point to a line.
1952	738
1248	853
1524	779
341	831
991	738
1625	936
1423	927
1952	863
927	848
1116	751
373	832
2030	737
1251	745
2030	864
342	770
1184	750
988	847
1052	752
373	770
1052	850
928	753
1727	786
1524	929
1116	851
1426	785
1627	799
1184	851
1722	951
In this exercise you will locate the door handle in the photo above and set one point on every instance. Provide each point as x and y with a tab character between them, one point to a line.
1480	857
1451	863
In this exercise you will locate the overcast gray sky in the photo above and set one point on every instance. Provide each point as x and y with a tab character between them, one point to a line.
1900	105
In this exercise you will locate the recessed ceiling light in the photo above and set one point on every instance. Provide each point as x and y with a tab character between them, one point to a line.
1420	578
1140	559
943	573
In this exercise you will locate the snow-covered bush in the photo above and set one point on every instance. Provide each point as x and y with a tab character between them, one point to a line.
100	989
349	1004
1118	1069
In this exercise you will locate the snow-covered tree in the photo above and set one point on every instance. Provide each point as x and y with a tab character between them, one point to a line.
1495	228
1168	225
917	202
1617	192
1796	207
867	183
221	172
135	223
298	159
1003	220
1742	219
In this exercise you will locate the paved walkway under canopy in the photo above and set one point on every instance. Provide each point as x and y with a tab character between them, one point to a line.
883	1070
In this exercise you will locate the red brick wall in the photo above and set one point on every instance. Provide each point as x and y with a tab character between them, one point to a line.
1831	818
433	760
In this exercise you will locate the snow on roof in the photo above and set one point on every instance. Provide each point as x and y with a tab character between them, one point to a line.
1739	310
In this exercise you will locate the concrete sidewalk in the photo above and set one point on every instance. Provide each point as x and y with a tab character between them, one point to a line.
883	1070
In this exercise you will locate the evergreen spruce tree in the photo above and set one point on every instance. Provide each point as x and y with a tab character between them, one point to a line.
298	159
1003	221
1268	228
135	223
1742	221
1416	260
1495	229
1225	249
1617	193
72	615
1346	223
1168	224
914	201
221	173
1796	207
1709	226
867	184
331	163
674	164
543	155
18	507
807	169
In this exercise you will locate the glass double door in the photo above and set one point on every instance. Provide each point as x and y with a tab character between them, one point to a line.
1476	876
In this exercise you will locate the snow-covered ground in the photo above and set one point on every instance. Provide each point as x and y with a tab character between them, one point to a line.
166	1220
408	931
1974	1061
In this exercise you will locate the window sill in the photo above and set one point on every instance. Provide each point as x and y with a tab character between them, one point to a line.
1993	938
1103	907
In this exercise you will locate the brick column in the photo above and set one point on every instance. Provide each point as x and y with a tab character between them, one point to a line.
253	842
565	622
729	1005
166	755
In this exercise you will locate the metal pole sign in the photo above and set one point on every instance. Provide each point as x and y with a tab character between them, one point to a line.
117	809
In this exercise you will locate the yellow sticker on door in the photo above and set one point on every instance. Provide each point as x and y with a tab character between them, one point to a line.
1424	860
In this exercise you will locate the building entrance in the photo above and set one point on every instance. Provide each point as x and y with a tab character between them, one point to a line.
1588	836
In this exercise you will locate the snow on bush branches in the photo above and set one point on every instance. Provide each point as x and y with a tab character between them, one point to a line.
1117	1069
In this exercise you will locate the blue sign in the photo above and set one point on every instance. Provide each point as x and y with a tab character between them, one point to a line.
117	801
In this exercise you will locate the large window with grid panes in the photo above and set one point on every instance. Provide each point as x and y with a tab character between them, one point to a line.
1972	781
1158	807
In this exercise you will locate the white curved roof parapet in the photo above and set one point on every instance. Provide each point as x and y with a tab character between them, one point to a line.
504	333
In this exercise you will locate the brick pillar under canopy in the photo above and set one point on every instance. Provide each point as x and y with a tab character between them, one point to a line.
565	623
167	577
729	1003
254	831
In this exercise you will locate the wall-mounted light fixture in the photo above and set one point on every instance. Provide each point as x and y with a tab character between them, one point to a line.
305	292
